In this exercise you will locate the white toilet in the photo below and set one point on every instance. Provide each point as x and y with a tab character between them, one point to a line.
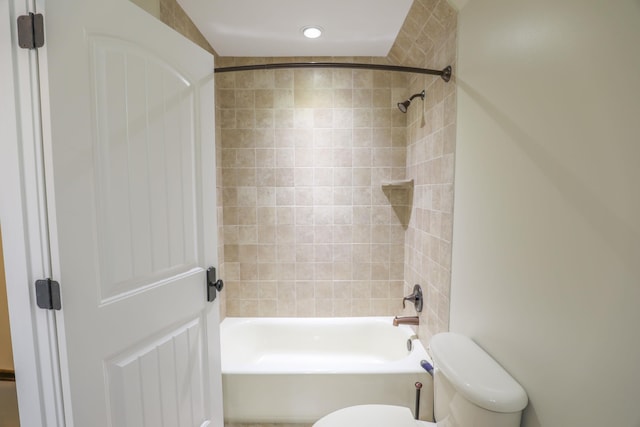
470	389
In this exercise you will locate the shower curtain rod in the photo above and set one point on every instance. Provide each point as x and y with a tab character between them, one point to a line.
445	73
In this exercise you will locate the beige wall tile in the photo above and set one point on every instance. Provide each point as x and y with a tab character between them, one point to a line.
304	152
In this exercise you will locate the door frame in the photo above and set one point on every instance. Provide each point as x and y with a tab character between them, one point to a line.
23	218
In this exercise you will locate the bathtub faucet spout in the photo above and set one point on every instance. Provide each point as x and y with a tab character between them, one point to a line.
406	320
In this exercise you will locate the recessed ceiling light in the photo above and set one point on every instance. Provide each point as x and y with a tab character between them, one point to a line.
312	32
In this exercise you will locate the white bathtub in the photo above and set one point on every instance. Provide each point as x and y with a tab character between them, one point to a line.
296	370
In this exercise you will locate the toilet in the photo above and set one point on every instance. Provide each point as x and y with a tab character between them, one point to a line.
470	389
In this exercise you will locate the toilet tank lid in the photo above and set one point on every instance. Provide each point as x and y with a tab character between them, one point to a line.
475	374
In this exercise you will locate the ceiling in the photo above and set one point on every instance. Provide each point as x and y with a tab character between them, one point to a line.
274	27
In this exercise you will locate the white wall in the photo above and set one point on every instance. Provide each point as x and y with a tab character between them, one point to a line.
546	248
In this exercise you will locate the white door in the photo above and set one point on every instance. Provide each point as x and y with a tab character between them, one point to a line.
128	128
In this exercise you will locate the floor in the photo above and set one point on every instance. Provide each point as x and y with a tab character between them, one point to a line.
8	405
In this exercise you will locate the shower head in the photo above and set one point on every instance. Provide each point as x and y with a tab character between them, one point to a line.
402	106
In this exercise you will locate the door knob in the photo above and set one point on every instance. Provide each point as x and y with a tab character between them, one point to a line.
213	285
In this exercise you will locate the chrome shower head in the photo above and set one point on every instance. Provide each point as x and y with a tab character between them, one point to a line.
402	106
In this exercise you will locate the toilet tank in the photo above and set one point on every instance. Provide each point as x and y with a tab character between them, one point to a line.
470	387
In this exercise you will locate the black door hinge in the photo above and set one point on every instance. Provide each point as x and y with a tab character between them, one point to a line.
31	31
48	294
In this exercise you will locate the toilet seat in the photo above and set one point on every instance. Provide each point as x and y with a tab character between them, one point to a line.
372	416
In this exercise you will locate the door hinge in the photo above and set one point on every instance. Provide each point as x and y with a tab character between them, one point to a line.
48	294
213	285
31	31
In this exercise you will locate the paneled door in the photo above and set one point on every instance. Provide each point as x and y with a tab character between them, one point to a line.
129	158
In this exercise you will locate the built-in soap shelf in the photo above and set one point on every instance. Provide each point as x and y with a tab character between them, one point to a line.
400	195
397	184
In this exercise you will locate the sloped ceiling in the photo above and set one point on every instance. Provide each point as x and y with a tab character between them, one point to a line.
274	27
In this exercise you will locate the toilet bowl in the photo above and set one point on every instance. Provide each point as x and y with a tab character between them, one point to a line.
371	416
470	389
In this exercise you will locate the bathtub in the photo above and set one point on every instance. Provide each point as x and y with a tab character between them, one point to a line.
296	370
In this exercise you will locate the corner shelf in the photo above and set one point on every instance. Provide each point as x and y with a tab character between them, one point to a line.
397	184
400	195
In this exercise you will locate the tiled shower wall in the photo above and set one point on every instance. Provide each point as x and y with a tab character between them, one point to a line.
298	257
308	230
428	39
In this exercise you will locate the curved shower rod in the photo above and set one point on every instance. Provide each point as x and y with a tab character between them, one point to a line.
445	73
